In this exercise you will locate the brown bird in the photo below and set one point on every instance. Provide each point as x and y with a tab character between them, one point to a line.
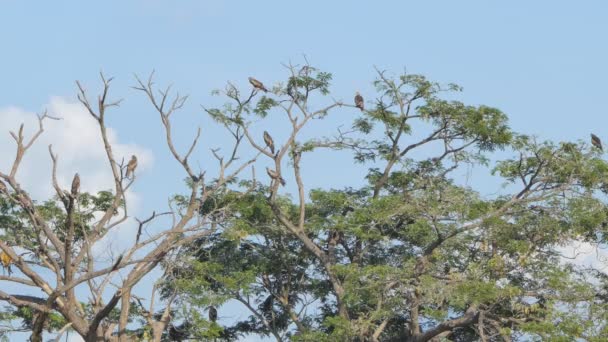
595	141
3	187
359	103
131	166
6	261
269	142
212	314
257	84
75	185
274	175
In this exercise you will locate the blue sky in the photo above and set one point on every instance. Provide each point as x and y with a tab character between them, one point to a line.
542	62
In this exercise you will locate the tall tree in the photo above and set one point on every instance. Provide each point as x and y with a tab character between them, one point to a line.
411	252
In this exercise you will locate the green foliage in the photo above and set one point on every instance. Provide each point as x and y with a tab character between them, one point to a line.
407	251
23	236
412	240
264	105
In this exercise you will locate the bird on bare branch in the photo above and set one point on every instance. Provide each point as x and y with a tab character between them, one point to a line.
3	187
274	175
359	103
117	263
75	185
269	142
131	166
257	84
595	141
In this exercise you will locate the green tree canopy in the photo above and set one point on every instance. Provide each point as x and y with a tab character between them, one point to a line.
411	252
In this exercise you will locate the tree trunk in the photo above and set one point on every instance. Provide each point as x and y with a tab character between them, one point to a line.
157	330
38	326
125	304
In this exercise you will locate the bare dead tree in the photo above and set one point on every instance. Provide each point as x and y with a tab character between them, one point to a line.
72	262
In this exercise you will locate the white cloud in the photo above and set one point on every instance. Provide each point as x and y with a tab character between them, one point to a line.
77	141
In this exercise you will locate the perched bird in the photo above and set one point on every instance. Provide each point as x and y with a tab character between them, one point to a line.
274	175
75	185
269	142
595	141
3	187
180	332
257	84
6	261
117	263
212	314
359	101
131	166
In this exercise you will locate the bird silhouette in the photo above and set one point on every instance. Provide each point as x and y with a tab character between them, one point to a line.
131	166
212	314
117	263
75	185
257	84
595	141
359	103
274	175
269	142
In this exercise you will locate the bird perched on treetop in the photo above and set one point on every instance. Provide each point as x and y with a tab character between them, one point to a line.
595	141
212	314
6	261
359	101
131	166
75	185
274	175
3	187
269	142
257	84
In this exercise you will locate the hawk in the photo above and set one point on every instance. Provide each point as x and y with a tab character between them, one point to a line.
269	142
131	166
75	185
595	141
274	175
3	187
359	101
6	261
212	314
257	84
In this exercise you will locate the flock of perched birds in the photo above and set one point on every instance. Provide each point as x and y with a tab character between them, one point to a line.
6	261
359	103
273	174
